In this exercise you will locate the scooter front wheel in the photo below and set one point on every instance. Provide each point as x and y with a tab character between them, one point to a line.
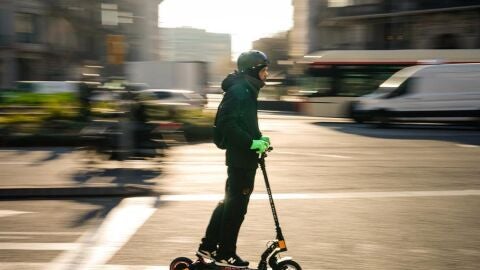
181	263
287	265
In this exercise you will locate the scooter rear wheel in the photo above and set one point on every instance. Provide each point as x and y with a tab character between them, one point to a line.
287	265
180	263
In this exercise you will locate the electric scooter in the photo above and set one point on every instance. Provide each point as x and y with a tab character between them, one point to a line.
270	257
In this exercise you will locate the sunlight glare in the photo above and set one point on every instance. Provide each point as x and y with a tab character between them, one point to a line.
246	20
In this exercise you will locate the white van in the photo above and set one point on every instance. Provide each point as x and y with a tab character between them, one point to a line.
427	93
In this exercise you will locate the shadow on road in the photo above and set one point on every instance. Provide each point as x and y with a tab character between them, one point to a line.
105	205
113	176
451	133
54	154
117	176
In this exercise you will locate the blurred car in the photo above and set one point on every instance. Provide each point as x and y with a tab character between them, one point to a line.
171	97
426	93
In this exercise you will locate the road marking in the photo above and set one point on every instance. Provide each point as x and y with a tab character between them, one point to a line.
467	145
337	195
16	163
14	237
22	265
40	233
7	213
313	154
39	266
97	247
180	239
37	246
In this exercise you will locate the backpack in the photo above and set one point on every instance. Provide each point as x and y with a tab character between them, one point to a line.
218	136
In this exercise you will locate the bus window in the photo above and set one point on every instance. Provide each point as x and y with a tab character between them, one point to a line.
348	80
315	86
354	83
357	81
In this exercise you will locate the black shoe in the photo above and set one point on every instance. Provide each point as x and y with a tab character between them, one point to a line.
231	261
207	253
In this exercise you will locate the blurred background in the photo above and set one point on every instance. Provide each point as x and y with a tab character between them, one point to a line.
373	107
64	61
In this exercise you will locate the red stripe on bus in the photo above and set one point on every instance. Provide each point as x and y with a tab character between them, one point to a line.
390	63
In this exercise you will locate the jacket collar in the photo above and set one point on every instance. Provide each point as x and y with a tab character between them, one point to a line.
254	83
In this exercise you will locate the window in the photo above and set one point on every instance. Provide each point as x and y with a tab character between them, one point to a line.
25	27
403	89
162	95
339	3
345	3
109	14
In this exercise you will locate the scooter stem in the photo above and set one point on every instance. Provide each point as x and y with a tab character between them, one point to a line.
280	238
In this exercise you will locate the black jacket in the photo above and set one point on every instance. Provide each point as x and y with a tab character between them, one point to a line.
238	119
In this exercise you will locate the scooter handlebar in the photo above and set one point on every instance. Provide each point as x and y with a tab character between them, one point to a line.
264	154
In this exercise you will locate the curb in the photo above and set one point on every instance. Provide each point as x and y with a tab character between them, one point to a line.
41	140
12	193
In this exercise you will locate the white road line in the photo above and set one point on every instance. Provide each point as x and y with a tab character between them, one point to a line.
38	266
37	246
338	195
40	233
14	237
16	163
313	154
97	247
467	145
21	265
7	213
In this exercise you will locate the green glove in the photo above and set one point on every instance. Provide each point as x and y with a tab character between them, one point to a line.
260	145
266	139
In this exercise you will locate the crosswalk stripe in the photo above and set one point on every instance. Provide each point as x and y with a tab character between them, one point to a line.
97	247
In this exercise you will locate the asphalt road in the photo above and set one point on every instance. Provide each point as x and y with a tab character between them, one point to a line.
348	197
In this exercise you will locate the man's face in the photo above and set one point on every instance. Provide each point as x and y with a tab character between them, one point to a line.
263	74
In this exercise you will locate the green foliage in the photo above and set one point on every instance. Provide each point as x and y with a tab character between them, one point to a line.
27	107
37	99
196	117
21	119
182	114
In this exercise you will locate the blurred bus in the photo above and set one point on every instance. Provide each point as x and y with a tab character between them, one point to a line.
333	79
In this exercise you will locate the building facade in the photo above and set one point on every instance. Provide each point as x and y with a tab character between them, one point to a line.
276	48
384	24
63	39
189	44
303	36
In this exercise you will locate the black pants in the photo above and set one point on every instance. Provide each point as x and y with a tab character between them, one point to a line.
229	214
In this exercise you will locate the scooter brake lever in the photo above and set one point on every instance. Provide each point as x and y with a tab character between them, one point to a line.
264	154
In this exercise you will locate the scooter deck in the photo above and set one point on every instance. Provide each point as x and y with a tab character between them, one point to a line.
205	264
218	267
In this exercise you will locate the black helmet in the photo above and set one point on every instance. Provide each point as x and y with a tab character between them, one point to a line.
252	60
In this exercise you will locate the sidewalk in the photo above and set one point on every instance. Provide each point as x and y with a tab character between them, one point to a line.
57	172
297	116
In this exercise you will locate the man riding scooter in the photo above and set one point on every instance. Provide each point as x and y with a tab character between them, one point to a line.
237	124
